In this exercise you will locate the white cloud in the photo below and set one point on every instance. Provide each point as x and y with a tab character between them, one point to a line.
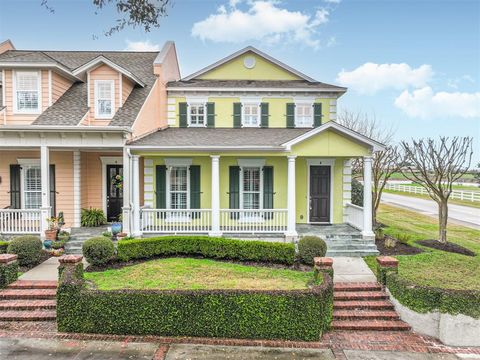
333	1
425	103
263	20
141	46
370	77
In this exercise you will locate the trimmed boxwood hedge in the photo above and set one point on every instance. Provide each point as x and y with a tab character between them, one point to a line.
291	315
210	247
3	246
424	299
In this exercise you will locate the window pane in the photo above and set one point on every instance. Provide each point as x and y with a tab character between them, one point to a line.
303	116
27	91
197	114
251	115
178	187
251	179
104	107
32	187
251	200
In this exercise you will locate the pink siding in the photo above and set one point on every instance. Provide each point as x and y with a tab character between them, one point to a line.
127	87
59	86
103	72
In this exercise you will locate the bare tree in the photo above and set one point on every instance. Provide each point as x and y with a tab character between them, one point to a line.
436	165
384	163
143	13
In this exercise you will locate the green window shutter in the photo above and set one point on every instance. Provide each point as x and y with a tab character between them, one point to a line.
15	202
53	190
161	186
234	190
317	114
237	115
268	190
211	115
195	189
264	115
182	111
290	115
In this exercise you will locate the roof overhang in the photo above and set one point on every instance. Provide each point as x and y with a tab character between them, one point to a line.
54	128
99	60
332	125
206	148
243	51
42	65
257	89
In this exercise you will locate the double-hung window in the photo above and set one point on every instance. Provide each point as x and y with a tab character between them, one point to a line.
32	187
303	115
27	92
104	99
197	114
251	188
251	115
178	179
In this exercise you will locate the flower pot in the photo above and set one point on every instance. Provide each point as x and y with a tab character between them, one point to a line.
47	244
116	228
51	235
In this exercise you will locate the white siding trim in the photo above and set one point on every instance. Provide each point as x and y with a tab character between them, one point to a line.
120	94
77	206
14	90
333	109
112	99
49	87
347	184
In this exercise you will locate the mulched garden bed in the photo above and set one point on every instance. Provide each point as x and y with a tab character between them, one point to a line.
399	249
118	264
449	247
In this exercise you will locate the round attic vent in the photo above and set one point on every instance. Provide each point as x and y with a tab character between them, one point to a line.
249	62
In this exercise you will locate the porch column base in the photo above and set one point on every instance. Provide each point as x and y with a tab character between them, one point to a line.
45	213
215	233
291	236
126	220
368	235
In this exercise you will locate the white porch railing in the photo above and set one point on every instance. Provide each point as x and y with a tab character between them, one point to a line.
354	215
253	221
466	195
176	220
18	221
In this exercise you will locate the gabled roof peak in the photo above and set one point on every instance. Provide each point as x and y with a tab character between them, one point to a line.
255	51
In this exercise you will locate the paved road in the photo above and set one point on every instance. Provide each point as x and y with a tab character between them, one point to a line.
464	215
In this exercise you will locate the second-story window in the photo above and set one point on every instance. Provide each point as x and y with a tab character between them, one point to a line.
251	115
27	92
303	115
104	99
197	114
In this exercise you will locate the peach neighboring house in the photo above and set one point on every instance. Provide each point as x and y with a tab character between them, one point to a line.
65	117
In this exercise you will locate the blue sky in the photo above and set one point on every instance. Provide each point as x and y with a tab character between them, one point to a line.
414	64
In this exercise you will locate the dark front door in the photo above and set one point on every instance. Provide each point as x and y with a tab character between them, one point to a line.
320	194
114	192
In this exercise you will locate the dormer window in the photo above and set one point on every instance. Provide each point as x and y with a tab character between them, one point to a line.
197	114
104	99
303	114
251	115
27	92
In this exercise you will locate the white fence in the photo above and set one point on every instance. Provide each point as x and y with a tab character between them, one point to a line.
176	221
253	221
354	215
473	196
17	221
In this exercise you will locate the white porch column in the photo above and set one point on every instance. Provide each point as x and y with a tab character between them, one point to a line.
215	196
367	198
45	179
136	196
77	206
291	229
126	209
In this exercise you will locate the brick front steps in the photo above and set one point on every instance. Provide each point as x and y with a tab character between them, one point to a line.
364	307
28	301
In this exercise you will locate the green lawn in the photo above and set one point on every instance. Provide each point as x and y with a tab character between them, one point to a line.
433	267
474	204
190	274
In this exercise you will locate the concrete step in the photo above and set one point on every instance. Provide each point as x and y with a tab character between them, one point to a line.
33	284
27	304
359	295
340	237
359	305
36	315
351	247
364	314
351	253
36	294
369	325
357	286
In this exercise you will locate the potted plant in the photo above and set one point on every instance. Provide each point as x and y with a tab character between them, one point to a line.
51	232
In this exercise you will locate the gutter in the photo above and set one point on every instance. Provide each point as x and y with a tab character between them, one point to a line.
206	148
257	89
53	128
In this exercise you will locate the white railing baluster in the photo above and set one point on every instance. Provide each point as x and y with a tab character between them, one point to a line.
20	221
354	215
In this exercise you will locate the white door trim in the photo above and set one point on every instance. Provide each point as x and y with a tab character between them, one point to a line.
320	162
108	160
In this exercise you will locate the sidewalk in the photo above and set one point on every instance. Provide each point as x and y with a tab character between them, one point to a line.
352	269
47	270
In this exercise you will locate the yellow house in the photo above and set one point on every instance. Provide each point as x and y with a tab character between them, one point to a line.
251	146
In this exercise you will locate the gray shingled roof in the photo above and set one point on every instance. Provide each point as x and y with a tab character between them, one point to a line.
294	84
184	137
72	106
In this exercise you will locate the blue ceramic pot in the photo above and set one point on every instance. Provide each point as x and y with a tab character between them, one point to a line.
47	244
116	228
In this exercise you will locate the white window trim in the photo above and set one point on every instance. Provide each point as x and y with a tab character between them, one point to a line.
243	217
251	101
39	89
112	95
171	217
189	115
303	102
23	163
320	162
